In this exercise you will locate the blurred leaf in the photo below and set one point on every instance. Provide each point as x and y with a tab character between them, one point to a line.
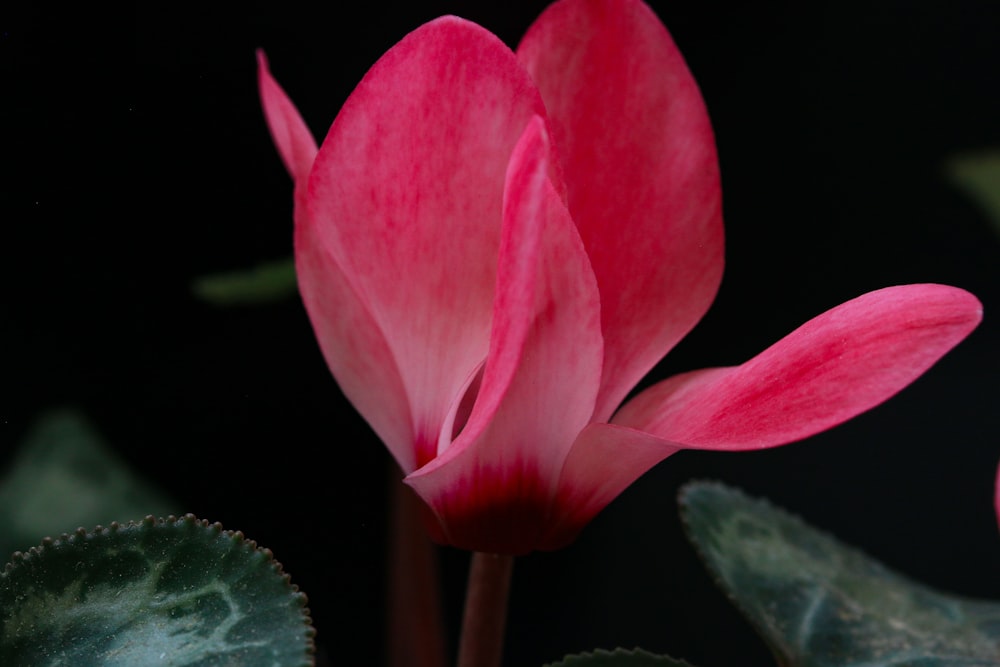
819	603
618	658
63	477
978	175
265	283
179	592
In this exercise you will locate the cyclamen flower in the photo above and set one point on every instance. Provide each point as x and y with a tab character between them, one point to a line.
494	249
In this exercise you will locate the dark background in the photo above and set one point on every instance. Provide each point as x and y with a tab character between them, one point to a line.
135	159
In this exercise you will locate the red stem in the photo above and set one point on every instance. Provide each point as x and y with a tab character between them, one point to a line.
485	617
415	624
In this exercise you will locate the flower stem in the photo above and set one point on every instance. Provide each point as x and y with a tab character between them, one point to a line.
481	643
415	625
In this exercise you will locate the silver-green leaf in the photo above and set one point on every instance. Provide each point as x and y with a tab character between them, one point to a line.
64	475
174	592
820	603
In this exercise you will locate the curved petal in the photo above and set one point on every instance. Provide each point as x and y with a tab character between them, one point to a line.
832	368
406	194
294	141
351	342
491	487
604	460
642	177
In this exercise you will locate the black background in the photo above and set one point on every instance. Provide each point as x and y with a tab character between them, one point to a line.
135	159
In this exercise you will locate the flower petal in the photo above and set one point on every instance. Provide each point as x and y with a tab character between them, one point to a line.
830	369
641	172
491	487
351	342
406	194
604	460
293	139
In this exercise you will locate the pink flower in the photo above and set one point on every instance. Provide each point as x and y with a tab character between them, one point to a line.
494	248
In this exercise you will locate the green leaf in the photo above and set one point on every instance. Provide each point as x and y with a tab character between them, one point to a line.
978	175
819	603
64	476
618	658
267	282
177	592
